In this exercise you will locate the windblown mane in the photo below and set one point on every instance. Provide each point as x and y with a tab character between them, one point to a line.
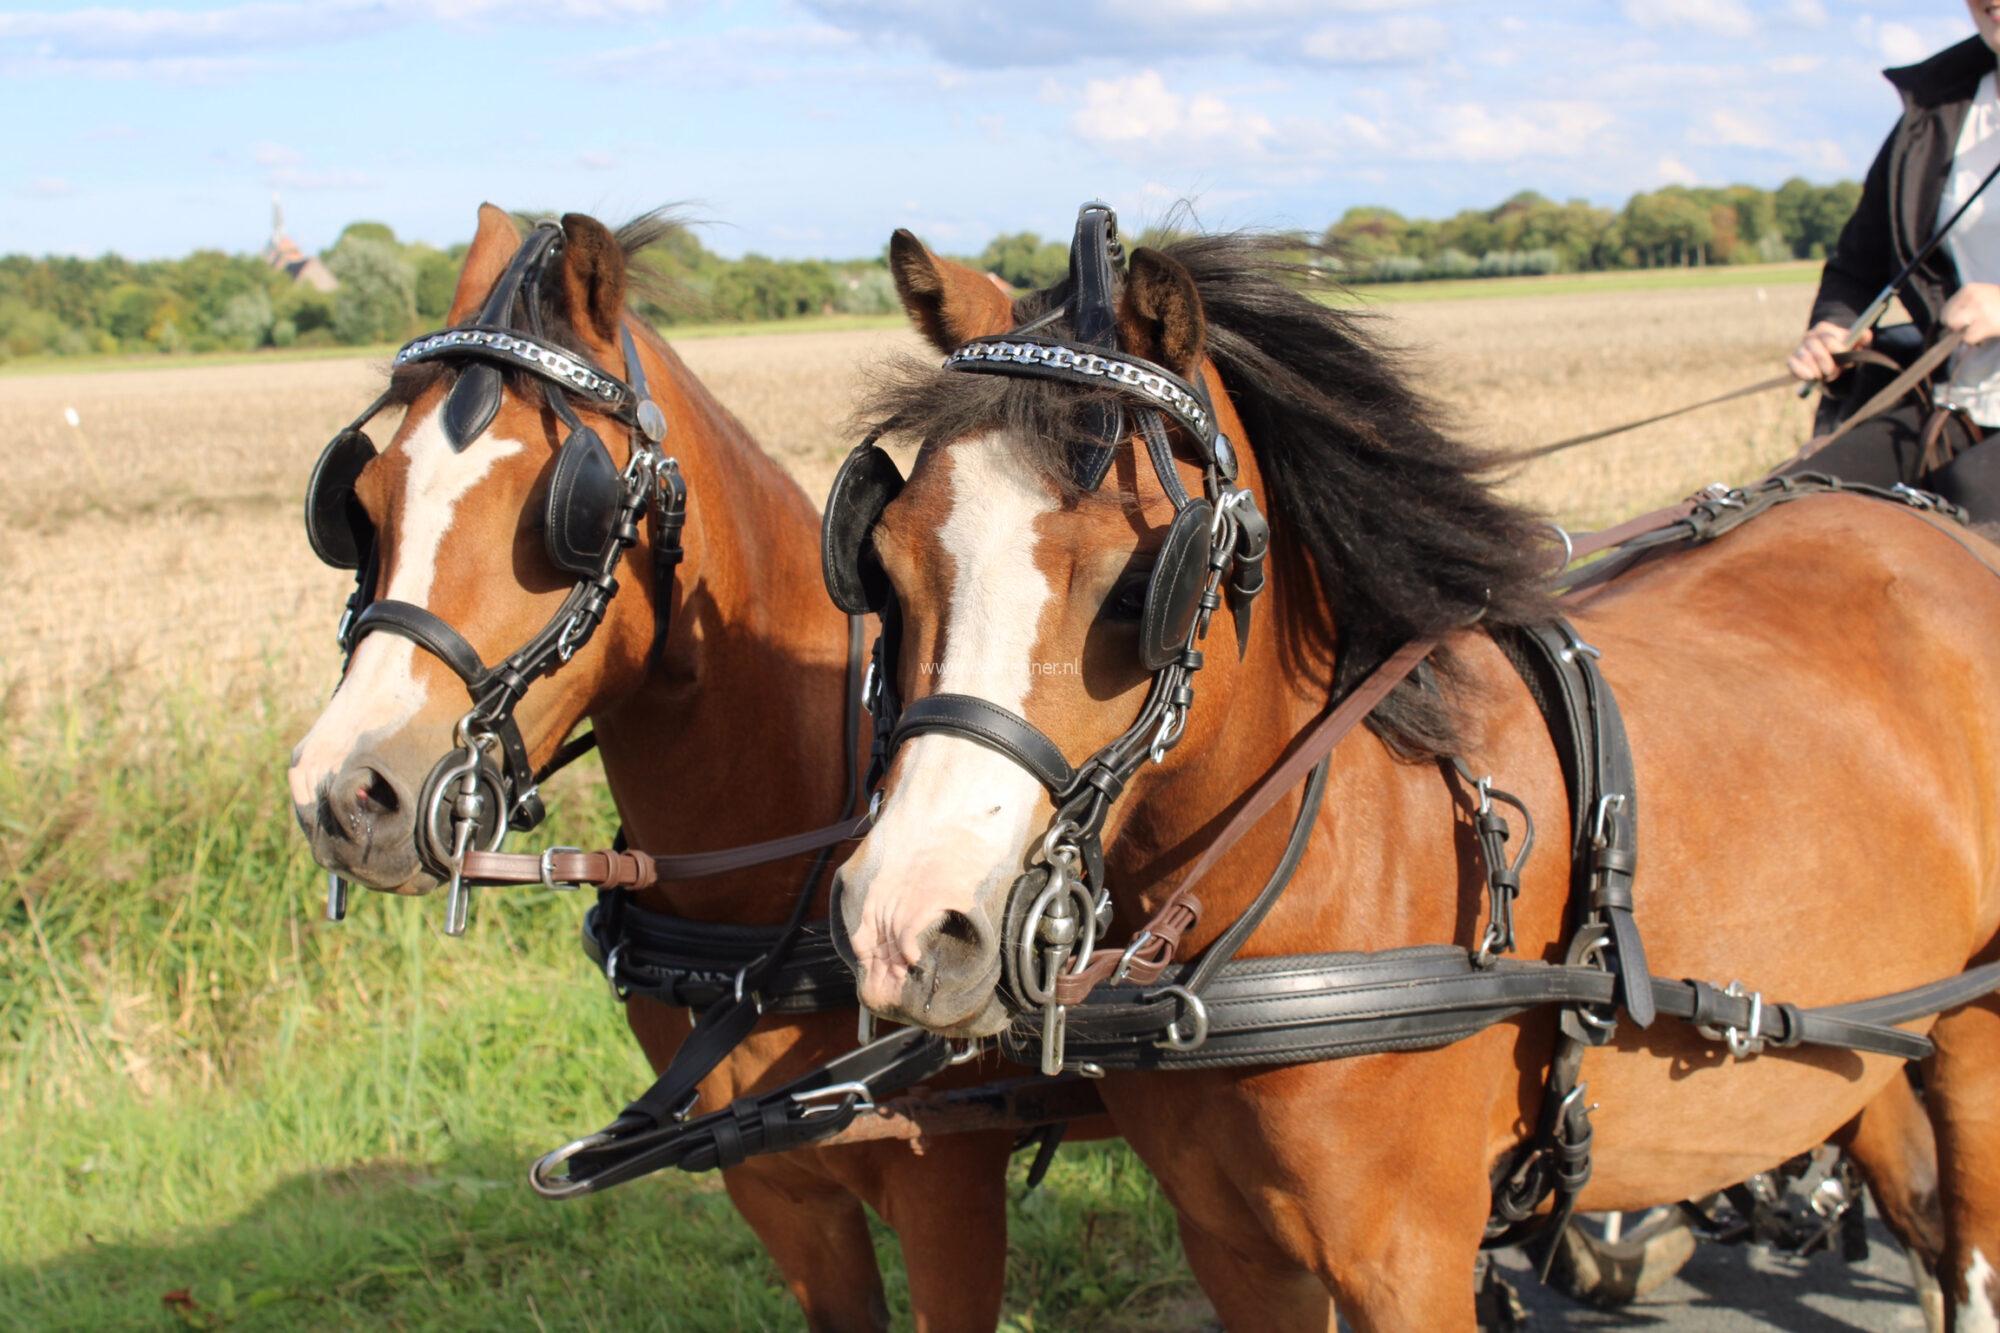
1367	492
644	286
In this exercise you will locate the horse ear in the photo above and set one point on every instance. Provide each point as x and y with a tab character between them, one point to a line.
1161	315
949	302
492	246
593	278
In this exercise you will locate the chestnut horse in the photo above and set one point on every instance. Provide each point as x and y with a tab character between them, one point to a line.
1813	702
722	743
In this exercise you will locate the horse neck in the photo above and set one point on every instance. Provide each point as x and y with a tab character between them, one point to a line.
1383	859
735	737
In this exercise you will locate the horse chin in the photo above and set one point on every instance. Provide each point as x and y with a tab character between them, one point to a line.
990	1021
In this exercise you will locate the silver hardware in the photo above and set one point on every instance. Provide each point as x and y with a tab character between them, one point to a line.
549	359
742	976
1569	546
965	1052
1172	724
815	1100
652	421
550	1186
1746	1041
571	638
548	858
1148	383
870	684
1577	647
1131	955
1197	1019
679	1115
864	1030
611	969
875	805
336	896
1600	824
1090	1069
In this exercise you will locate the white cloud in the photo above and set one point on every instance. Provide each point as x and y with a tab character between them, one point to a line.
1395	41
1793	65
50	187
1901	43
157	35
1673	171
1721	18
593	160
1810	13
1474	132
1141	110
1734	128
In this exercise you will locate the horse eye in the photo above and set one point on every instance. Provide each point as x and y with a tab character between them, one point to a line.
1127	601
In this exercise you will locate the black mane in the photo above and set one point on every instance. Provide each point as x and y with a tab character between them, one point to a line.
643	284
1367	492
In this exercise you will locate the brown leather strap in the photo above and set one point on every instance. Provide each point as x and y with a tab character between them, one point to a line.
1859	356
1919	370
1182	909
639	870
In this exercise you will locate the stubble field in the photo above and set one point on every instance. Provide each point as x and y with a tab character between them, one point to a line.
222	1112
157	542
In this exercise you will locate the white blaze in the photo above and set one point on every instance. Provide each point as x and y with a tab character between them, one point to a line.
1977	1315
380	692
960	812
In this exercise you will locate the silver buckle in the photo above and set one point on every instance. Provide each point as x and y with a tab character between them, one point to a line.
1743	1042
549	871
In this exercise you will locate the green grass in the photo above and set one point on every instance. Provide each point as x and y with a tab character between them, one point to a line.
208	1090
1582	284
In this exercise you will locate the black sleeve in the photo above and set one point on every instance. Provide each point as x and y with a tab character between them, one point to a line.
1864	259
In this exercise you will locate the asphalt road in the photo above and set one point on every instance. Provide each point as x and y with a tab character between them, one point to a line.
1734	1289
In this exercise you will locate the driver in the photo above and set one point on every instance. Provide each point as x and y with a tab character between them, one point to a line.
1946	143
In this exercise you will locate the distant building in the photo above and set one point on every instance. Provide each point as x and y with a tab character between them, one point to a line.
282	252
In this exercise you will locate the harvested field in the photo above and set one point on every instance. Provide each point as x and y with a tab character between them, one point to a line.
158	542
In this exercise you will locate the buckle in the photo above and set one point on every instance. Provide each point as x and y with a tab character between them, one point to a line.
1743	1042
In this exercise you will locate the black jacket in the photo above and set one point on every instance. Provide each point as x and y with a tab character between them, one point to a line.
1899	200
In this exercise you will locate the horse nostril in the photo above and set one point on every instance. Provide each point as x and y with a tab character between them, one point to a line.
958	926
377	791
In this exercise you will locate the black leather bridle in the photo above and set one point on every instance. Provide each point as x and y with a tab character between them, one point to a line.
487	784
1058	909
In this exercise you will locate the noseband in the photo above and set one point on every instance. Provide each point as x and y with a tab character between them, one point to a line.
487	785
1058	909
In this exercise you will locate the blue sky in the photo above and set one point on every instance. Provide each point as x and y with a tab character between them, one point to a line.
814	127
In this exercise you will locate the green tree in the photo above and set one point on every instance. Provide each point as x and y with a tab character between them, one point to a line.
376	300
436	281
1023	259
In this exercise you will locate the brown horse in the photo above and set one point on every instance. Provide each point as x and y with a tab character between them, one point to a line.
1813	701
723	743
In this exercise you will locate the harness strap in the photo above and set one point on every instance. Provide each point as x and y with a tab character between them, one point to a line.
1297	1008
991	725
1181	909
641	870
811	1108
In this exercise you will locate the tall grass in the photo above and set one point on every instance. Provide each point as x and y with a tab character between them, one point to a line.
221	1110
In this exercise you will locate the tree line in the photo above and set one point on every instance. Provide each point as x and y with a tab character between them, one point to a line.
1530	233
389	289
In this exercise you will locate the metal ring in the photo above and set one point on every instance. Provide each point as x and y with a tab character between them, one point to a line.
965	1052
1197	1016
539	1179
1569	546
